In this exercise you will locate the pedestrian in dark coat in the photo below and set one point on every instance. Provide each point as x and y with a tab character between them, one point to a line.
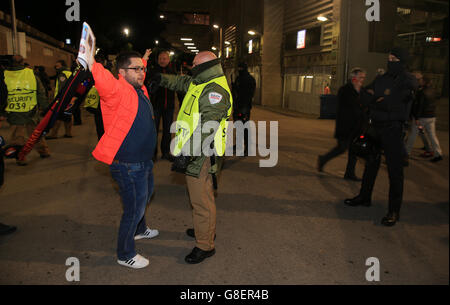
243	90
349	120
163	101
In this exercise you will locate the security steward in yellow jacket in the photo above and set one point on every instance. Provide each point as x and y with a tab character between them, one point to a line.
208	99
26	96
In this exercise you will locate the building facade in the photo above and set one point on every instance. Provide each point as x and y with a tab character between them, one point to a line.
294	55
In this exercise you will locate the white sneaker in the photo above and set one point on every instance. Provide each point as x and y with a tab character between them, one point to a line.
148	234
137	262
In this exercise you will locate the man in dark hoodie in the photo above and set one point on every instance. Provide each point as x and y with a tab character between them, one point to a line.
388	97
243	90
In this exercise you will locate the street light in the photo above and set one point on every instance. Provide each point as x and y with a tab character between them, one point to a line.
216	26
253	33
156	42
126	31
162	16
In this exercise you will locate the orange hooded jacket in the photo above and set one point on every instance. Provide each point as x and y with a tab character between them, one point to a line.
119	103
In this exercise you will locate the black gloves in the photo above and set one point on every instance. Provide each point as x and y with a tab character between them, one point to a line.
181	163
155	81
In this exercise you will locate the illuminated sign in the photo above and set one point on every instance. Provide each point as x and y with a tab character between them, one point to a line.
301	39
250	47
433	39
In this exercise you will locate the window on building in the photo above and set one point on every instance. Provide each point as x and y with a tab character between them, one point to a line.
308	84
301	84
193	18
304	39
292	81
28	47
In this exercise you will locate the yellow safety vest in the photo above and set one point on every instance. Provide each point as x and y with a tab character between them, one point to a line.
67	74
188	117
22	90
92	99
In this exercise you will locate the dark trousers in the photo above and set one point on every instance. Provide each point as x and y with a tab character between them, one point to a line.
166	115
244	118
343	144
77	116
389	135
97	112
2	168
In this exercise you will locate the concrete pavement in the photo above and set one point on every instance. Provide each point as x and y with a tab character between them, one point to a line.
281	225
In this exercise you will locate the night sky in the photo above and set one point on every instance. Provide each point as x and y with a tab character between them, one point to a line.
107	19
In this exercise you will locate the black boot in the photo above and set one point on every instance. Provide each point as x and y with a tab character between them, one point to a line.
390	219
358	200
5	229
197	255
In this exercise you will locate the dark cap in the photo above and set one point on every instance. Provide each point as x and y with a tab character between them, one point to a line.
243	66
400	53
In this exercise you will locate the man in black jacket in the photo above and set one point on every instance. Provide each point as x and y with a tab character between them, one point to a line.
243	90
163	101
388	97
349	119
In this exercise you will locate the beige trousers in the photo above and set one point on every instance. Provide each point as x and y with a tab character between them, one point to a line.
54	131
203	204
19	136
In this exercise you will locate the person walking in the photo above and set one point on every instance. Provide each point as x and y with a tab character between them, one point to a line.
424	113
349	121
388	96
243	90
128	146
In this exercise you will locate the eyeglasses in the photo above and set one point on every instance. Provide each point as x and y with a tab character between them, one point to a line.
137	69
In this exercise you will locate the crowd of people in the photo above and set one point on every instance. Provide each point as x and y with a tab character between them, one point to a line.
381	112
132	102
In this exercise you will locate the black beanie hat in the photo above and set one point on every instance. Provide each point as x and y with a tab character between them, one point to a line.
401	54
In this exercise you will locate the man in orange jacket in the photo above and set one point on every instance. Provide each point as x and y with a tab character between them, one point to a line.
128	146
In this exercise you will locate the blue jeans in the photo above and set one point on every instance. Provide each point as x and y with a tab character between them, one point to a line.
135	181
